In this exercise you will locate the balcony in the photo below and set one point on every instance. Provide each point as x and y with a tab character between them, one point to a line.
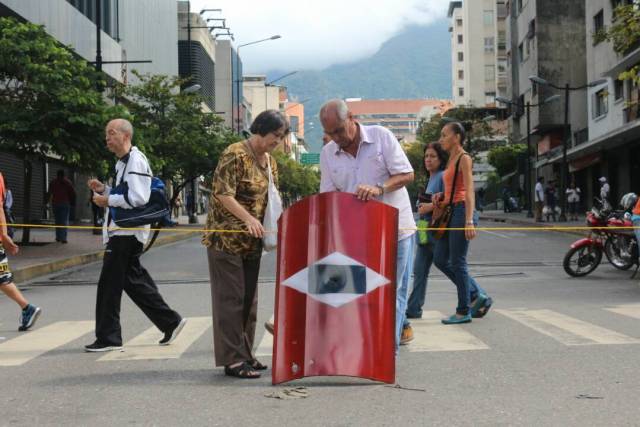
631	113
581	136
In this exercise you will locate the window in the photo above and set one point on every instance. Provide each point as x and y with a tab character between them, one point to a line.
461	74
502	40
459	38
460	91
459	22
520	5
460	56
534	89
489	97
488	44
488	17
618	89
528	47
598	25
532	29
600	103
489	72
521	53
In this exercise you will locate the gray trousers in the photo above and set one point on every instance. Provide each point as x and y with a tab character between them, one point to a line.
234	304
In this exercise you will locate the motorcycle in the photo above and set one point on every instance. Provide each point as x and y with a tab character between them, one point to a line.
619	245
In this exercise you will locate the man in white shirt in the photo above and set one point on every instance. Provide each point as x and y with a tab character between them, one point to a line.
604	189
121	268
369	162
539	198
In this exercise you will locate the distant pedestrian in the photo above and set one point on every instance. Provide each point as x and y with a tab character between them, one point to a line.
506	202
176	207
30	313
539	198
451	250
368	161
62	197
435	160
121	268
573	198
604	189
550	197
7	206
98	215
480	201
239	202
636	222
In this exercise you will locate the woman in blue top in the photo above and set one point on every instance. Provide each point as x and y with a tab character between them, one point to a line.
435	160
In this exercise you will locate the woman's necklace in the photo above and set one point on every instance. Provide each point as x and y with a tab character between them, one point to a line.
262	162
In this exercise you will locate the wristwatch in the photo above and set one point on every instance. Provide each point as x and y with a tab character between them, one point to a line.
470	223
381	187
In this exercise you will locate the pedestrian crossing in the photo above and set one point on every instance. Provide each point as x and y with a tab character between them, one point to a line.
430	335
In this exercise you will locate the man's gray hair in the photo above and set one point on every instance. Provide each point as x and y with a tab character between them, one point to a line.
336	105
125	126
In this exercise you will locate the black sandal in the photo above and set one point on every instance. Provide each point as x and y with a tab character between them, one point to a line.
255	364
244	371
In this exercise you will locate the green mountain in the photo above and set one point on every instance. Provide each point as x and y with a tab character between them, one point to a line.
416	63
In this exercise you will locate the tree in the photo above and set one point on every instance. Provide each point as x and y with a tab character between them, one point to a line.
625	35
505	158
182	141
49	105
295	180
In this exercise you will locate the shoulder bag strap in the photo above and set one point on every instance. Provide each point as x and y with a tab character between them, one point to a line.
455	179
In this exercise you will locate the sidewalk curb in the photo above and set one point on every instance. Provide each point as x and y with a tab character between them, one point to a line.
529	224
27	273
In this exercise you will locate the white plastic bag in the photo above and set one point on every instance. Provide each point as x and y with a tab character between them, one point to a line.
271	215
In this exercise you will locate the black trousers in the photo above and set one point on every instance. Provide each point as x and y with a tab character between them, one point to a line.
121	270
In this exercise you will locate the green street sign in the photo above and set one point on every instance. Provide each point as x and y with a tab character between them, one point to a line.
310	158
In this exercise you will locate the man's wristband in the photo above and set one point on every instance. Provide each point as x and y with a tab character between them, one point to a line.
470	223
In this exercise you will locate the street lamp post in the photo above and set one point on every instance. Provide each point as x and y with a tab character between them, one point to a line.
271	83
566	134
527	176
239	79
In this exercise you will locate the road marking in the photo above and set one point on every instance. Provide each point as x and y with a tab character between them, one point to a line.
145	346
567	330
504	236
431	335
22	349
629	310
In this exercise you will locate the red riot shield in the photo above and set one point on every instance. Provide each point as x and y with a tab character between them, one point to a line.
335	289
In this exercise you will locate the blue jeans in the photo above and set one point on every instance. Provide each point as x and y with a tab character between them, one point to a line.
61	214
450	256
636	223
403	271
421	267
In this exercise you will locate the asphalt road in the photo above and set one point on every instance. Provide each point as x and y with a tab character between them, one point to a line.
554	351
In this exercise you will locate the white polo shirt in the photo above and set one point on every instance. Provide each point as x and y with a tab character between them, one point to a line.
379	157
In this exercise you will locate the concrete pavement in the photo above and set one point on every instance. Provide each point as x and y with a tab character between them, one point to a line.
44	255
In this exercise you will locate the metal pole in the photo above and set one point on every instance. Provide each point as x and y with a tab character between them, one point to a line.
565	136
232	86
193	217
239	100
98	42
528	168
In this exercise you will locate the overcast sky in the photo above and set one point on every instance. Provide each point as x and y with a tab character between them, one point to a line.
316	34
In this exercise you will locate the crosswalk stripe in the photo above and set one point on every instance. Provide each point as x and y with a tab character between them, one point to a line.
30	345
145	346
629	310
567	330
431	335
